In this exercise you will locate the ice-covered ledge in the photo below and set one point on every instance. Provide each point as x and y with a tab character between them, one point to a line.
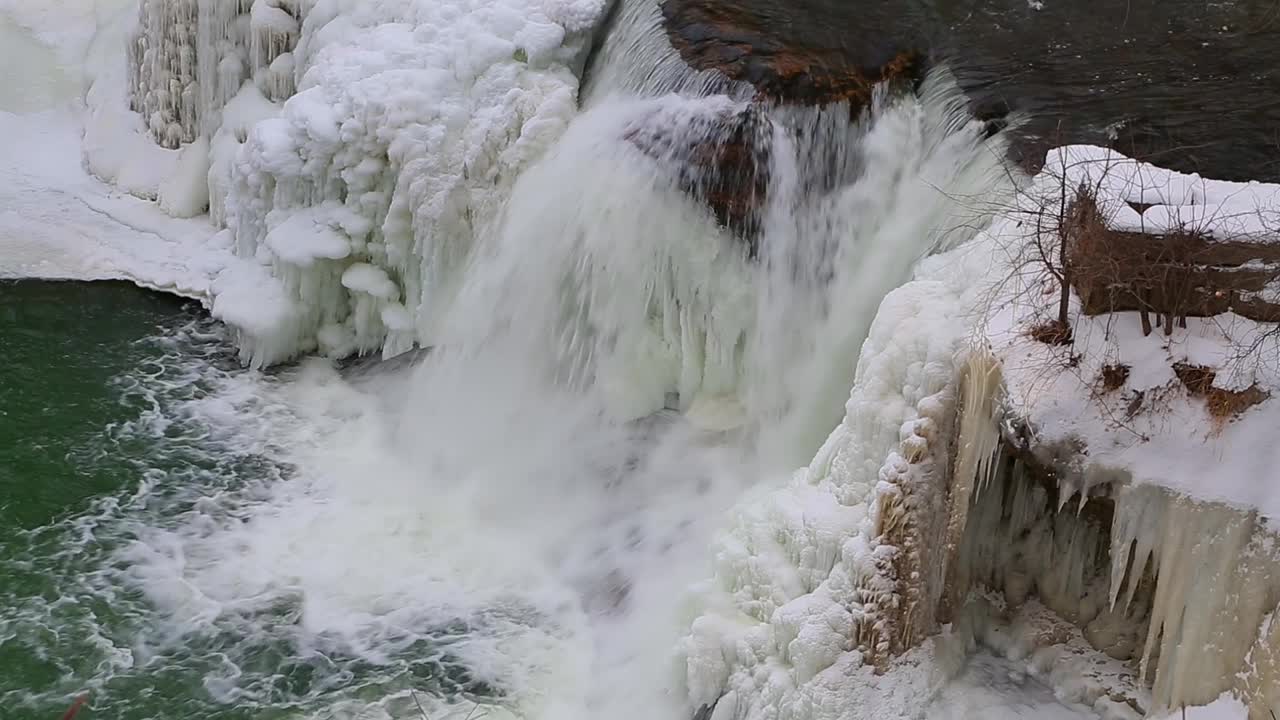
975	459
1134	492
350	150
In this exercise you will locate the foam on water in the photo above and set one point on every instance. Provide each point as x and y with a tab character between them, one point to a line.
235	575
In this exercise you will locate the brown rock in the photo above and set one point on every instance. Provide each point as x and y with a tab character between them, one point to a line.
792	55
724	165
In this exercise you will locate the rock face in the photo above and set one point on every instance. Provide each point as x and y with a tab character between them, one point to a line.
784	62
724	165
1172	275
800	56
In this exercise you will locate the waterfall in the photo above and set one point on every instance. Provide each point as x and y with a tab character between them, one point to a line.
618	360
638	310
634	57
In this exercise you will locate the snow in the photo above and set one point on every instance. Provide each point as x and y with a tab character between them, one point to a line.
266	18
1055	670
1167	437
307	236
58	222
1225	210
365	278
34	78
186	192
1224	708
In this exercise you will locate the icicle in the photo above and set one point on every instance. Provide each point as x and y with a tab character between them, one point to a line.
979	435
163	59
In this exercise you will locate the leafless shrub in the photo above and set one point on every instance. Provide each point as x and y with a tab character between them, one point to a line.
1113	377
1222	404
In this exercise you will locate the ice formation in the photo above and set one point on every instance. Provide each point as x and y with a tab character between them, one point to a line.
820	583
1179	590
189	58
1163	586
1148	528
393	129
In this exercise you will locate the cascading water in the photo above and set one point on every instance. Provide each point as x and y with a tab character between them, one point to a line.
635	58
539	416
515	525
526	511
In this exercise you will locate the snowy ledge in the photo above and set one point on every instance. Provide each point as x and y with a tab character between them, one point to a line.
1155	437
1130	558
1184	402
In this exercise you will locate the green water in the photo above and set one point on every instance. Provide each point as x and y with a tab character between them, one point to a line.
72	353
128	431
96	450
65	345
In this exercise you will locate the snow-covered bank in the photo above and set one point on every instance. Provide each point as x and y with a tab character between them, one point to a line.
56	219
1147	425
882	537
58	222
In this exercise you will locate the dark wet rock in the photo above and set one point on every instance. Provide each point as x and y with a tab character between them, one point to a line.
359	367
704	712
793	55
723	163
802	54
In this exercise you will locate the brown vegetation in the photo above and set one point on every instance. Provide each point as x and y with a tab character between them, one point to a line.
1174	275
1222	404
1051	332
1113	377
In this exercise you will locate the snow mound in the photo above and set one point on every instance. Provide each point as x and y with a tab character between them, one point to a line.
1142	197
